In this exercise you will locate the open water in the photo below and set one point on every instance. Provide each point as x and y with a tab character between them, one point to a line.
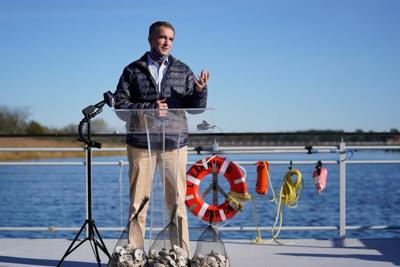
53	195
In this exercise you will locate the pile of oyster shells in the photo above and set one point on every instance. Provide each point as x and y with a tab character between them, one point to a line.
213	259
174	257
125	256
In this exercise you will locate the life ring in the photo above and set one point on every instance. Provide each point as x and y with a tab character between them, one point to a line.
194	201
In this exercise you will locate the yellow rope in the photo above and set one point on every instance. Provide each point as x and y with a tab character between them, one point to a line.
259	239
291	190
289	195
237	200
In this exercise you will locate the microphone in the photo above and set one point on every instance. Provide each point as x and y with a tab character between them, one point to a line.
108	99
204	125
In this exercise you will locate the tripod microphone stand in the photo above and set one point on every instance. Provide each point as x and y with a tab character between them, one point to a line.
96	244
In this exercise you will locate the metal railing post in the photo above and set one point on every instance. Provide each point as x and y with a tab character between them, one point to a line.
342	190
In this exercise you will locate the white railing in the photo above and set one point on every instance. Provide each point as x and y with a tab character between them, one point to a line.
342	162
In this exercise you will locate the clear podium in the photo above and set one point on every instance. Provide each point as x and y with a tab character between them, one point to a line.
162	136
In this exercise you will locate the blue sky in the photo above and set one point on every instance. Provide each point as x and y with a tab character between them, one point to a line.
275	65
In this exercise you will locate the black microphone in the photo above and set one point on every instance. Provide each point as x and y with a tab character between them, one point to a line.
204	125
89	109
108	99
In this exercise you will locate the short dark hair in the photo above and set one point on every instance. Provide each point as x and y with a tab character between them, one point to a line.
154	27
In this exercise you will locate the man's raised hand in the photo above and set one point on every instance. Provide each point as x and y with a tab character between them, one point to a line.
201	81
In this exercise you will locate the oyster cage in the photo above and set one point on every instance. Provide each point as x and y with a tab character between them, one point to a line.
168	248
129	250
210	250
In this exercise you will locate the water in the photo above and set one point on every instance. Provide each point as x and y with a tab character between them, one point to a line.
47	195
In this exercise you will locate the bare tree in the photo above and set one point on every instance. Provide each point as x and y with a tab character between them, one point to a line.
12	120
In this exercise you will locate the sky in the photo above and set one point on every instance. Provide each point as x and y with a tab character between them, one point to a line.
275	65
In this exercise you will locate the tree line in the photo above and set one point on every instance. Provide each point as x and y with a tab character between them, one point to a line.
16	121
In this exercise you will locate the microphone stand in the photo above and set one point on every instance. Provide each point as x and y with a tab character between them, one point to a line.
91	230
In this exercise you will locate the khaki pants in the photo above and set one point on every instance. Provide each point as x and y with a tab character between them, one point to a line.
141	179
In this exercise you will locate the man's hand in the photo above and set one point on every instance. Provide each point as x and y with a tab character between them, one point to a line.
162	105
201	82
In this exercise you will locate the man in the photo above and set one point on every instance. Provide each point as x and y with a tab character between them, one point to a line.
159	81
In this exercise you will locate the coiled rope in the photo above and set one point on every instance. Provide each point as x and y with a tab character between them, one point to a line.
289	195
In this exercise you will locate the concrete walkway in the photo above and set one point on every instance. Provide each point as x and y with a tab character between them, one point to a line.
242	253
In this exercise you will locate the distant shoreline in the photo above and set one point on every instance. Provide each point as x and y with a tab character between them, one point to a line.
47	143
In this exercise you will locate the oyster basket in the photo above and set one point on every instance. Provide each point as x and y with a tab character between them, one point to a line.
124	255
210	250
168	248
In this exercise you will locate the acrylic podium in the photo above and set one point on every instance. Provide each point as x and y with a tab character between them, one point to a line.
161	132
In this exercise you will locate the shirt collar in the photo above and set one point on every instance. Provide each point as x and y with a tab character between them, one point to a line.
150	61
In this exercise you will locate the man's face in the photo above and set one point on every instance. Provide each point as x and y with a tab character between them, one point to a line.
161	40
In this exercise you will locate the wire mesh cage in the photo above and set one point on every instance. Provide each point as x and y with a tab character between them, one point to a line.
210	250
168	248
129	250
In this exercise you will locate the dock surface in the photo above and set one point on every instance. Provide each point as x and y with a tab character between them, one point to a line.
242	253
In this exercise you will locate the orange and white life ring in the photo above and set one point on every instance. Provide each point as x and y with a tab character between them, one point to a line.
194	201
